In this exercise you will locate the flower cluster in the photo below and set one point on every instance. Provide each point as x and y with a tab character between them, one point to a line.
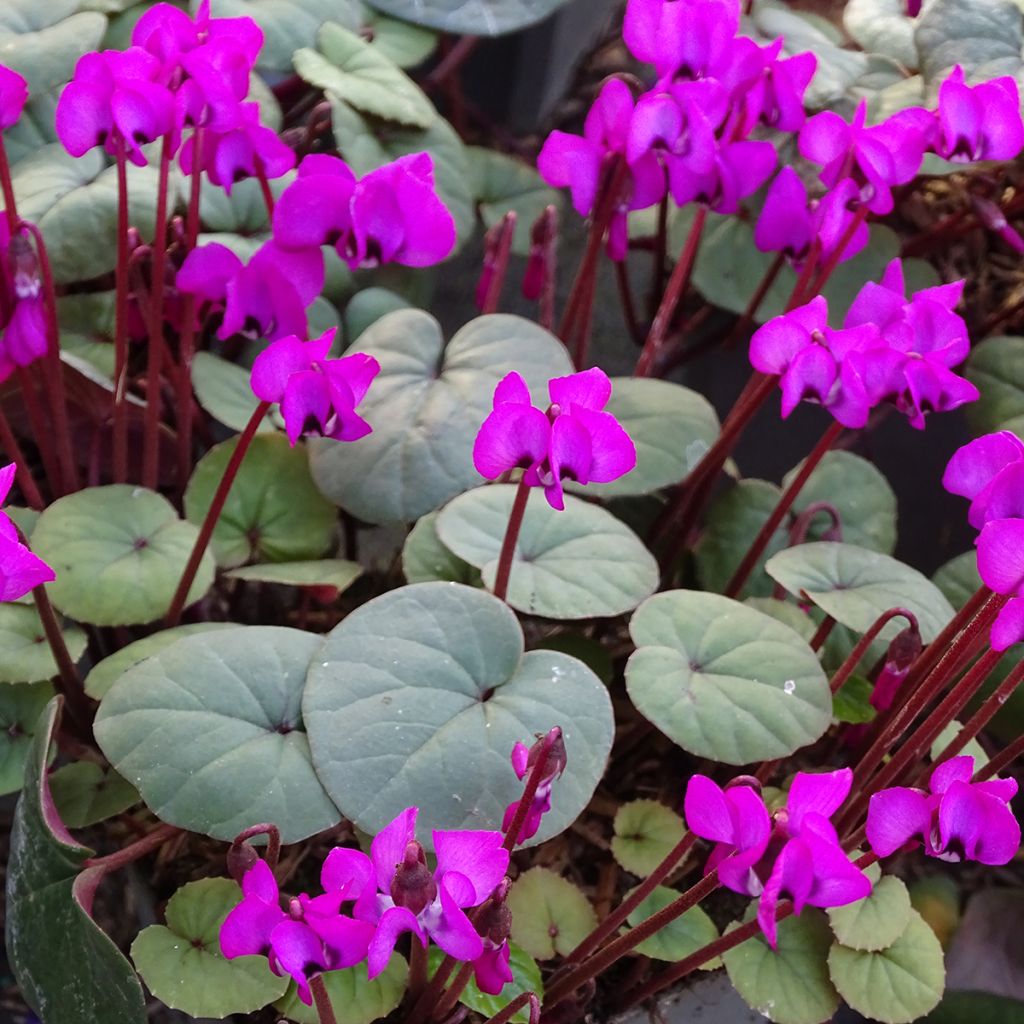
390	892
20	570
891	349
955	820
574	439
989	471
794	853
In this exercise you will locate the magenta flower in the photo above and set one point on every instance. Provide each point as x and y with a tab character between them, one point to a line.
23	336
13	97
20	570
800	857
392	215
980	122
879	156
1001	567
523	760
311	937
574	439
689	39
811	360
956	819
318	395
493	922
989	471
403	895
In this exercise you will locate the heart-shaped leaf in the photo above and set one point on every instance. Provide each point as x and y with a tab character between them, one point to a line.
355	999
526	977
273	511
855	586
550	916
895	985
25	656
790	985
973	748
324	572
68	970
362	75
20	708
118	552
472	17
576	564
876	921
419	696
402	42
366	307
645	833
426	407
85	793
181	962
985	37
725	681
425	558
996	367
45	51
223	390
679	938
210	731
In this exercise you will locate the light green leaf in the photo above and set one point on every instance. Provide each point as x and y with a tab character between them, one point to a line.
792	985
20	708
402	42
426	406
996	368
425	558
34	129
550	916
950	733
354	998
366	307
679	938
223	390
526	977
105	672
984	36
118	552
181	962
210	731
645	833
895	985
725	681
958	579
86	793
273	511
472	17
25	655
853	701
579	563
419	696
855	586
882	26
324	572
362	75
244	211
876	921
45	56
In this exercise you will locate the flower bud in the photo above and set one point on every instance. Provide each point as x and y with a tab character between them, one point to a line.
494	918
413	886
241	857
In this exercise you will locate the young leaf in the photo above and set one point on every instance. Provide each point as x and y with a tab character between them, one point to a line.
85	793
645	832
550	916
876	921
20	708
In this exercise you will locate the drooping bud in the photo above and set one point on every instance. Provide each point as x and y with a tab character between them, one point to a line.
413	886
241	857
493	921
556	755
902	653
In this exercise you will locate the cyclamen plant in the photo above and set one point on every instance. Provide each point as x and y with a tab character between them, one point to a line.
482	668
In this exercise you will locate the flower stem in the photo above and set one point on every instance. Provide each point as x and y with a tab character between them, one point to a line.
69	685
823	632
213	514
746	320
42	432
508	545
322	1000
447	1002
120	427
836	256
146	845
677	286
532	782
546	313
849	666
417	969
660	258
151	442
506	1013
785	503
268	196
27	482
1001	761
503	250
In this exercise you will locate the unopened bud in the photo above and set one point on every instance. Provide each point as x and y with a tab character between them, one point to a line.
904	649
413	886
493	920
556	755
241	858
744	780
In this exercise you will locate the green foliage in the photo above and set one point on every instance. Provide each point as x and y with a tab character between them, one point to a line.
472	17
679	938
853	701
323	572
425	558
875	922
222	389
25	656
550	916
20	708
645	833
996	368
525	978
86	793
354	998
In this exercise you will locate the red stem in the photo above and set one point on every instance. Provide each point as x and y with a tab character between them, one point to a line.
1001	761
785	503
508	545
144	846
120	428
25	479
746	321
322	1000
213	514
506	1013
69	685
503	250
268	196
849	666
530	788
546	316
822	634
42	432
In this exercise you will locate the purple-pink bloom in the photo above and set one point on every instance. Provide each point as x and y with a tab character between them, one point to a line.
23	334
574	439
318	395
685	38
13	97
956	819
311	937
523	760
404	895
20	570
981	122
800	857
1001	567
989	472
493	922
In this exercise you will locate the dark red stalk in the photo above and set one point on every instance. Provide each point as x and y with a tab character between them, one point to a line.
849	666
213	514
68	683
660	259
120	428
42	431
322	1000
502	252
546	316
508	545
151	442
1003	760
268	196
417	969
676	288
806	273
822	634
25	479
627	301
273	834
785	503
530	787
136	851
506	1013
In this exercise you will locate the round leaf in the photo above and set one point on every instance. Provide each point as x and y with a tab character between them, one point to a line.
792	985
273	511
182	963
325	572
550	916
579	563
419	696
46	55
725	681
106	672
679	938
223	390
472	17
354	998
855	586
210	731
366	307
895	985
526	977
876	921
645	833
425	558
426	407
985	38
85	793
25	655
118	552
20	708
996	367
